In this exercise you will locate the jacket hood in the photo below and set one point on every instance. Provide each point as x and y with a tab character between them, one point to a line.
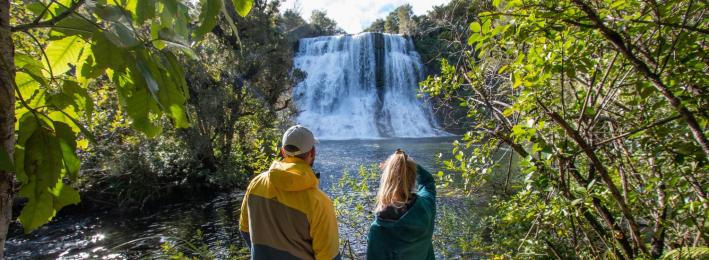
292	174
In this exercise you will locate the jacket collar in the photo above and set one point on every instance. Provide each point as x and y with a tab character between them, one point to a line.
292	174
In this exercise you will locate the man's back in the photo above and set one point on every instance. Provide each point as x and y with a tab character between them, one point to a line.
285	216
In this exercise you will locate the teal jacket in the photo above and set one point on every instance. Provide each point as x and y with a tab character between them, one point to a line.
409	237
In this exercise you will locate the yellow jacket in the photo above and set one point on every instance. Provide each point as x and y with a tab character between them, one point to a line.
285	215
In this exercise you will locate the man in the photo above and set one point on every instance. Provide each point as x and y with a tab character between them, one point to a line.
284	214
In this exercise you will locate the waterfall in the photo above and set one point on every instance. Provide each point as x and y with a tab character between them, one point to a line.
362	86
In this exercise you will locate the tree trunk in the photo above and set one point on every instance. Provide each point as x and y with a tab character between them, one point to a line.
7	118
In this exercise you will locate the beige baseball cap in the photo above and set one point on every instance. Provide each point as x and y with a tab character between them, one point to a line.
300	137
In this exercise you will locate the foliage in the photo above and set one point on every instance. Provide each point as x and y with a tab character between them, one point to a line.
62	47
237	102
324	25
399	21
354	201
196	248
590	97
687	253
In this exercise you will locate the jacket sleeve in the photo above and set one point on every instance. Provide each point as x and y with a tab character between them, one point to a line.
323	230
244	220
426	184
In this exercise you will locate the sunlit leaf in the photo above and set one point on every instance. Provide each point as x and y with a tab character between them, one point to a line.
63	52
42	167
243	7
210	9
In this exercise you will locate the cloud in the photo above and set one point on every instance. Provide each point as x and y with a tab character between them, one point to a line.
355	15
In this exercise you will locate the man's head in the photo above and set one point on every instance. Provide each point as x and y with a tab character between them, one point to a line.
299	142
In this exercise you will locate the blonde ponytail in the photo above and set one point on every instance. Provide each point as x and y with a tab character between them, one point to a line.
397	181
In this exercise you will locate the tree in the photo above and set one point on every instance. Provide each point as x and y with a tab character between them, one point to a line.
292	20
391	24
78	44
324	25
376	26
7	122
602	104
407	25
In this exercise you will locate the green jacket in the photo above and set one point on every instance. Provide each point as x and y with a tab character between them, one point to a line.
409	237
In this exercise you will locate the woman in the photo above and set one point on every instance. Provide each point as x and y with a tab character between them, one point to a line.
405	211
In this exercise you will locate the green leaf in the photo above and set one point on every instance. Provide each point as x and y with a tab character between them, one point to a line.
37	212
151	75
175	96
105	55
141	10
63	52
475	27
207	17
42	167
31	66
5	162
64	195
74	25
27	85
243	7
174	42
118	30
687	253
137	101
67	142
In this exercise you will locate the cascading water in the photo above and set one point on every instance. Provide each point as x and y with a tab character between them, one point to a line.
362	86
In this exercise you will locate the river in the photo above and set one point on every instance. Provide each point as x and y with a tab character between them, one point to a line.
111	235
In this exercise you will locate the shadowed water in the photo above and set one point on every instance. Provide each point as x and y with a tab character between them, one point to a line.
114	236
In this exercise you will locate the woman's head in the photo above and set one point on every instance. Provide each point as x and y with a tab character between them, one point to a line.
397	182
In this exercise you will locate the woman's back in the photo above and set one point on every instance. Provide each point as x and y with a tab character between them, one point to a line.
405	231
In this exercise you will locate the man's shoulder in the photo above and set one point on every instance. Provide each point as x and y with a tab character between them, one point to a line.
321	199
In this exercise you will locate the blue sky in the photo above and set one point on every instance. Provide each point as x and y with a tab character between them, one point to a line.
356	15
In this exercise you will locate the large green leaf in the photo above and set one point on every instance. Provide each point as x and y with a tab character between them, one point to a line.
165	80
207	17
37	212
74	25
141	10
137	101
243	7
173	42
67	142
26	84
105	55
178	96
42	166
63	52
73	99
30	65
64	195
119	29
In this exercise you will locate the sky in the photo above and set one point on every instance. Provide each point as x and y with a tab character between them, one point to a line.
355	15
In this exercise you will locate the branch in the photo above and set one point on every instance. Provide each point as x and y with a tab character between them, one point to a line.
617	40
47	23
588	150
661	122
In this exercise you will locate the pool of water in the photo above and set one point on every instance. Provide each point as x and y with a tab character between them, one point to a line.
109	235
